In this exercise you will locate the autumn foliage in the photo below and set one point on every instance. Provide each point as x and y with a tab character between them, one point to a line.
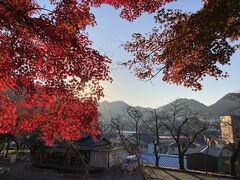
186	47
131	9
47	59
49	74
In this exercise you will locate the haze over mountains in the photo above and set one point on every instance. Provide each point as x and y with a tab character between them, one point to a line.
223	106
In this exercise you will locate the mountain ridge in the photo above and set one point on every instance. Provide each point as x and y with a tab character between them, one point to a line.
223	106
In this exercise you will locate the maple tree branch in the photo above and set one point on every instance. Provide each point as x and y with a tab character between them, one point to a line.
160	70
38	8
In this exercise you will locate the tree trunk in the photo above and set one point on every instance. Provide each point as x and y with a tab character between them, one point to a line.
7	147
157	161
157	139
233	159
181	161
233	166
156	155
138	156
233	162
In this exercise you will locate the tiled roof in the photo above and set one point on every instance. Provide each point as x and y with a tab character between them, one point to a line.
209	150
90	143
174	144
85	143
212	151
196	149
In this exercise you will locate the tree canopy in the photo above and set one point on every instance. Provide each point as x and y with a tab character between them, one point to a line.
186	47
47	58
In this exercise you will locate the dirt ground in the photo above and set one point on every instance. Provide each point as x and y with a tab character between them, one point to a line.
153	173
25	171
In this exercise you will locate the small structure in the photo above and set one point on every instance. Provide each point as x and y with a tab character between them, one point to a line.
226	151
85	154
173	148
208	159
163	146
147	140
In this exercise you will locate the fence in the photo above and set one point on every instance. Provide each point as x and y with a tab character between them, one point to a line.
165	160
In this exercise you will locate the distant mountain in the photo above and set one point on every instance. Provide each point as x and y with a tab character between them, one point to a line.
223	106
108	109
226	105
194	105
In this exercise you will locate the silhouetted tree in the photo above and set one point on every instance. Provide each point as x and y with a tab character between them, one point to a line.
154	124
177	121
130	144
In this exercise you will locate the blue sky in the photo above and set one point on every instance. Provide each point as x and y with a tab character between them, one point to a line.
111	31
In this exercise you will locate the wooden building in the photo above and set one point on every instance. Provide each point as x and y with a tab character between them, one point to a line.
208	159
86	153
